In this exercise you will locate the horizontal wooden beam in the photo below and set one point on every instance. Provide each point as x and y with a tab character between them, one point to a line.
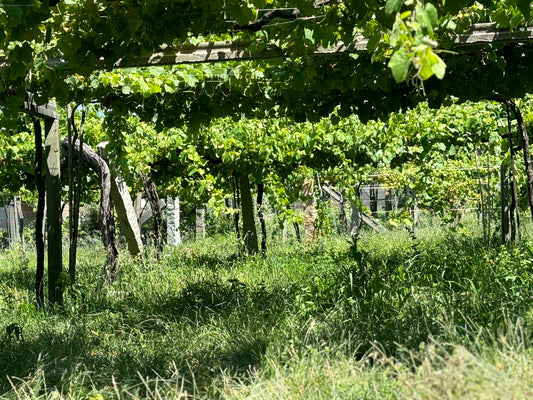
488	33
225	51
480	35
47	110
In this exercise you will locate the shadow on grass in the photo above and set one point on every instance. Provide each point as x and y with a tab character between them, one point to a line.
206	328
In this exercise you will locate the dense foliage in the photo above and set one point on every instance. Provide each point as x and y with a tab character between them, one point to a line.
406	36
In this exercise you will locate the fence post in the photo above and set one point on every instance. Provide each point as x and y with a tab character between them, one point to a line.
200	223
15	221
173	221
53	210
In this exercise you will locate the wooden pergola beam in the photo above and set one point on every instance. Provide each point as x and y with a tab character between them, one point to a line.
47	110
483	34
480	35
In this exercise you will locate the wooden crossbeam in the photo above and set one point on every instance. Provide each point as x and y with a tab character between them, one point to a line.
47	110
480	35
488	33
225	51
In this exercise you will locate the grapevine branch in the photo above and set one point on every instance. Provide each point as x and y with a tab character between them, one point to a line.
289	14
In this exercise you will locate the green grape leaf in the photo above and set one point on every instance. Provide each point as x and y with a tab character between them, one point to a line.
431	15
308	34
438	67
393	6
373	42
242	14
399	64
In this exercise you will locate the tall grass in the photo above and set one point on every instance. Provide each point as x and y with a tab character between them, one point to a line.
442	316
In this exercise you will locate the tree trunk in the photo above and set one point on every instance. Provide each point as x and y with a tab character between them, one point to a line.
248	220
236	216
53	210
91	160
153	198
296	226
308	196
343	223
39	220
505	212
525	147
74	178
124	208
355	221
514	211
415	212
260	192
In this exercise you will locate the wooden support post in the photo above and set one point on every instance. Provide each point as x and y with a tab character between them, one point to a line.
173	221
126	215
53	210
355	221
124	207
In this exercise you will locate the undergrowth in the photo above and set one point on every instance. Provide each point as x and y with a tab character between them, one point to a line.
445	315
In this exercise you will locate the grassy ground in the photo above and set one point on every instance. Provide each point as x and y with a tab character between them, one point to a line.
445	316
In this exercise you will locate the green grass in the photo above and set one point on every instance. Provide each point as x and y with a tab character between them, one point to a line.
445	316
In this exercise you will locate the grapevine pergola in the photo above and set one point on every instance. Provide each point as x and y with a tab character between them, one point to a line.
66	45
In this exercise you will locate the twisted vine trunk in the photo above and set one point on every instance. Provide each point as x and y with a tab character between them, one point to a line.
505	210
260	193
248	220
91	160
527	154
153	198
310	213
514	212
237	205
525	147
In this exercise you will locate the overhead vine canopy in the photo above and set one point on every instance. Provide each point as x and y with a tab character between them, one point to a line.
405	41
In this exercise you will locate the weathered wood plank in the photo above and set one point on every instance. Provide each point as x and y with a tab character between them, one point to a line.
481	34
47	110
488	33
53	210
147	212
